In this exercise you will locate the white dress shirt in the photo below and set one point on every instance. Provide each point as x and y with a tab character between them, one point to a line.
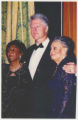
36	57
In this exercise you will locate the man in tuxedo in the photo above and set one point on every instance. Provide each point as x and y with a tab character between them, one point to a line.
40	65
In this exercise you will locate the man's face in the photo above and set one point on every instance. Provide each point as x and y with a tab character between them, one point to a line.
38	29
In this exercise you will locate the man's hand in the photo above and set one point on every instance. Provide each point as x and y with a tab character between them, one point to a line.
70	68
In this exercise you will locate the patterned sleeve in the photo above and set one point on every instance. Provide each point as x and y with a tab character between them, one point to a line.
69	80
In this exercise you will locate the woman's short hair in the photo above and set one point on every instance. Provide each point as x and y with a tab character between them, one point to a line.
41	17
20	45
66	42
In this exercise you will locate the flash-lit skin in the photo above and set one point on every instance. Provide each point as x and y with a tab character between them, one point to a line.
57	51
56	55
70	68
14	58
13	54
38	30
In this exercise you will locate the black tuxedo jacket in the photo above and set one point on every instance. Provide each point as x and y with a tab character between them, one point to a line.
43	73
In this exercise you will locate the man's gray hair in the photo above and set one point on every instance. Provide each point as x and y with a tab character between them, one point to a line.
41	17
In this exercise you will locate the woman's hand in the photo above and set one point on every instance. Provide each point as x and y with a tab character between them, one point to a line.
70	68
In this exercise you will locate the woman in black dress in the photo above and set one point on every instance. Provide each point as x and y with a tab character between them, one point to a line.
62	84
16	83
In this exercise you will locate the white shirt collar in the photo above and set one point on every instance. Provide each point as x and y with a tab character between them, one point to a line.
45	43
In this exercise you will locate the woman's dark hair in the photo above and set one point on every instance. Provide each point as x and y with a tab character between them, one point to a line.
67	42
19	45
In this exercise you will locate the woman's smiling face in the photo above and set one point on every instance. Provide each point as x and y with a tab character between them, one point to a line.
57	51
14	53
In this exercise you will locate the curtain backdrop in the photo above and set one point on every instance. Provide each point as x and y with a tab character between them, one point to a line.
15	23
70	21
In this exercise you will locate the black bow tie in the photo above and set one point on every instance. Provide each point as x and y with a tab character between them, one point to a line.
39	46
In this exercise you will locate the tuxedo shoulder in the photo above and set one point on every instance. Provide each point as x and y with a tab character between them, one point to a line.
29	52
31	47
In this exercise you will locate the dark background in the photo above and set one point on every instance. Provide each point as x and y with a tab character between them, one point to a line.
53	11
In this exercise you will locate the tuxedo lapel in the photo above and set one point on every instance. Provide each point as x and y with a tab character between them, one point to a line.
42	62
29	53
